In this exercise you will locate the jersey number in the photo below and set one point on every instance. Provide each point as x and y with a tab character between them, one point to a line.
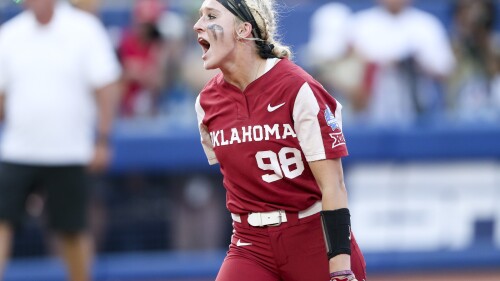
287	162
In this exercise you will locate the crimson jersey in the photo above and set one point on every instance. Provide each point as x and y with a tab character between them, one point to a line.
264	137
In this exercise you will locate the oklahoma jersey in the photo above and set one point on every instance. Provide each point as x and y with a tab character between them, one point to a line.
264	137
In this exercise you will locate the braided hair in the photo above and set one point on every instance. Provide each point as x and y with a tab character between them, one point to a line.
261	14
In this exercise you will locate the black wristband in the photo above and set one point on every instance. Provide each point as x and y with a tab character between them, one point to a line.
337	231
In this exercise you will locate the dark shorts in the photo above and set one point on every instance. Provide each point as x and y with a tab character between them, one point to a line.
65	189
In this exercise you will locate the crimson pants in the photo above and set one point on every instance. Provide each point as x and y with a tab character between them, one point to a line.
293	251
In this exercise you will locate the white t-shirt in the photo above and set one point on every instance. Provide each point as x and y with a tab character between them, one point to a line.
49	74
384	38
330	29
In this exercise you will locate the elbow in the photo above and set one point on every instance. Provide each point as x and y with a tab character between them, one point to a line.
334	196
341	187
340	183
337	188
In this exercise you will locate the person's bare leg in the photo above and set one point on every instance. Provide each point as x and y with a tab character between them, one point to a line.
77	252
6	234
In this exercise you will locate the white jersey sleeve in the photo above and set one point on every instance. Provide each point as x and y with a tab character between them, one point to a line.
318	128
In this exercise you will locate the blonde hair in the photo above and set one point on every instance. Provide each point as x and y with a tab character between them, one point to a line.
265	15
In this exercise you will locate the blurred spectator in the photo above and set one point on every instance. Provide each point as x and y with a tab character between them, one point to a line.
408	49
2	19
142	53
329	38
328	52
474	86
57	72
191	74
397	55
495	95
199	203
173	28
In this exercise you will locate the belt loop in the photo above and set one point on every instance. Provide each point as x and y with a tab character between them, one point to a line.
293	218
236	217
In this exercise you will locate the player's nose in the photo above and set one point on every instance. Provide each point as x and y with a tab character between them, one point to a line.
198	26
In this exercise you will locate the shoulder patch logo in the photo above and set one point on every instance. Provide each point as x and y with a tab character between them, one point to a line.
332	122
330	119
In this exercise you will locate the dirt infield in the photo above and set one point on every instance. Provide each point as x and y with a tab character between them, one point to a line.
416	276
444	276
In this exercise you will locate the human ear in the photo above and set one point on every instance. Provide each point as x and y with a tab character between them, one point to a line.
244	30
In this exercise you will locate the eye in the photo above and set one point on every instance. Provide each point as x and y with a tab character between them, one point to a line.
211	16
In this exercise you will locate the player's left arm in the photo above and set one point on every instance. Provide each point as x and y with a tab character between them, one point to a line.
318	123
329	176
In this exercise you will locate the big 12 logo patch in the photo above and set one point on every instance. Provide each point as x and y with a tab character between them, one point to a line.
337	135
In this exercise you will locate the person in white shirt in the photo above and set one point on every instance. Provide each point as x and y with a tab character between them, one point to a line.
58	94
406	46
328	53
384	60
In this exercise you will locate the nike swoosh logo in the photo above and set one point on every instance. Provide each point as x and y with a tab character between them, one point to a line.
273	108
242	244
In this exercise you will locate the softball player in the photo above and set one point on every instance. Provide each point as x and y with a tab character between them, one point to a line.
277	135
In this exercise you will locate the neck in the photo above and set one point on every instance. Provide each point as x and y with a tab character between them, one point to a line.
44	14
242	72
44	19
395	11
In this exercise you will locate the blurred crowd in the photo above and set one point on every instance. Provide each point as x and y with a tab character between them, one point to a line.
396	65
389	65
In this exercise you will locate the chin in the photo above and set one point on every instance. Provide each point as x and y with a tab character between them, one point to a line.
209	65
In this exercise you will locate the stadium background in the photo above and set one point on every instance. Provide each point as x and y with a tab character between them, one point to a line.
425	199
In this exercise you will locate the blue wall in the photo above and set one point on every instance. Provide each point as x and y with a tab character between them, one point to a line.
436	143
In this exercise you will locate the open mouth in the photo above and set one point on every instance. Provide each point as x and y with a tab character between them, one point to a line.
205	45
